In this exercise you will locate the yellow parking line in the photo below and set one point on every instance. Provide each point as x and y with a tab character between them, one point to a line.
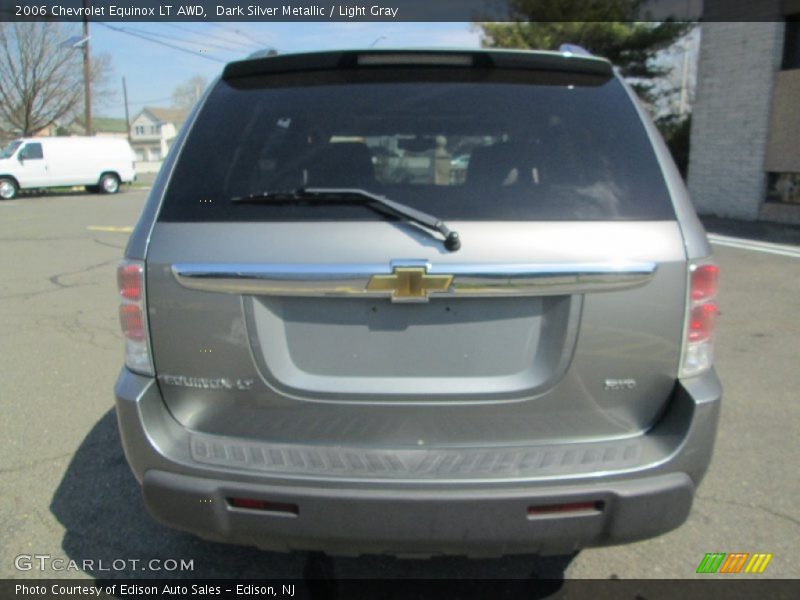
110	228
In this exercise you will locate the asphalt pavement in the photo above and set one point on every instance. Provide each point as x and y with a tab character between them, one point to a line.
66	491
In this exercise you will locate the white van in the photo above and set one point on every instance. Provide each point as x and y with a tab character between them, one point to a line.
99	163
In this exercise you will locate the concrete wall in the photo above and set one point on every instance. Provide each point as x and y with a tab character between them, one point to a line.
731	116
146	166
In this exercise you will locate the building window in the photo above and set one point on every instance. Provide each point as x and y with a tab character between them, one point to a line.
139	154
155	153
791	43
783	188
139	130
154	129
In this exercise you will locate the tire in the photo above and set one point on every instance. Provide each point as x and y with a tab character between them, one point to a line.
109	183
92	189
8	188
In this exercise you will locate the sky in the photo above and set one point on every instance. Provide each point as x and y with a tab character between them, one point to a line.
153	70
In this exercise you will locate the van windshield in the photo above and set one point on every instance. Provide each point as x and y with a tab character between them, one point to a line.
10	148
463	145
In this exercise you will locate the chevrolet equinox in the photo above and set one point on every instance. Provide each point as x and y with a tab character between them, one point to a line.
419	303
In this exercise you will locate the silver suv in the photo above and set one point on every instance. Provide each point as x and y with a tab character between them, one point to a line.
419	302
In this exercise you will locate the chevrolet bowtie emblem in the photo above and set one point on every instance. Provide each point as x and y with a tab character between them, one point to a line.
409	284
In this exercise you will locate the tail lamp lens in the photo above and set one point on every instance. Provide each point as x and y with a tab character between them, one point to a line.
701	322
129	280
698	346
130	317
133	316
705	280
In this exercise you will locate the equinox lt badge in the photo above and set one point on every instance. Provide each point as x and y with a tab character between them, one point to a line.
207	383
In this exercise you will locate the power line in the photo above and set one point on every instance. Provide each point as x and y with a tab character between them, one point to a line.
259	44
156	41
246	45
185	41
156	38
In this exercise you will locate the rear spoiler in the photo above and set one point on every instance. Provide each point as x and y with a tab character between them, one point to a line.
565	62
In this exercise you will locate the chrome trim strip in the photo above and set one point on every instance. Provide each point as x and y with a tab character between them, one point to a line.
469	280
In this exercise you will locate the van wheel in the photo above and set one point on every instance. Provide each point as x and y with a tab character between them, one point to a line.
8	188
109	183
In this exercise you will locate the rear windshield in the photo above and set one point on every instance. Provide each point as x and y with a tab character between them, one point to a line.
460	144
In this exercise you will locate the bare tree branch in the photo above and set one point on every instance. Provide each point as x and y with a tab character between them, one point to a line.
189	92
41	81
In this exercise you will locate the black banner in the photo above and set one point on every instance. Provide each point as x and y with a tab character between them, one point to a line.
120	11
406	589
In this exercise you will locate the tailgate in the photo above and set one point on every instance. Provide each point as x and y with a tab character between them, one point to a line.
256	337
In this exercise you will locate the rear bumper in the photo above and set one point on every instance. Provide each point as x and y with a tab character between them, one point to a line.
472	522
435	515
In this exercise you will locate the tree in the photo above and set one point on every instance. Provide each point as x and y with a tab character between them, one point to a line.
606	28
189	92
41	82
676	131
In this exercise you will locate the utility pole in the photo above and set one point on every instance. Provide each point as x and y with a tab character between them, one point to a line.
127	119
87	86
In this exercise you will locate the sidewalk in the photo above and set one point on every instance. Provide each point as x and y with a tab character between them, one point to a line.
775	233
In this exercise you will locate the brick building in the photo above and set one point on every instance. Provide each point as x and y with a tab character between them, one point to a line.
745	150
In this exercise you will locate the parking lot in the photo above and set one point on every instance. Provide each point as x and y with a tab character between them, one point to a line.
67	492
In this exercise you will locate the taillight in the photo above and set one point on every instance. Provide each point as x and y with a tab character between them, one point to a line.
704	282
129	281
701	322
130	317
133	316
702	310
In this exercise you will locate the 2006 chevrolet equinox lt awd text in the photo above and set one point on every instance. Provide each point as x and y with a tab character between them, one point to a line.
419	302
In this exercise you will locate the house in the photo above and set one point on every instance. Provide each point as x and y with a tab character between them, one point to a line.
48	131
745	144
152	133
101	127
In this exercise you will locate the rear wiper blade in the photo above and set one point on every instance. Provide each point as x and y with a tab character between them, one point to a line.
451	239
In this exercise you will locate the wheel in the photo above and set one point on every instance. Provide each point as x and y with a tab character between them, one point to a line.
8	188
109	183
92	189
